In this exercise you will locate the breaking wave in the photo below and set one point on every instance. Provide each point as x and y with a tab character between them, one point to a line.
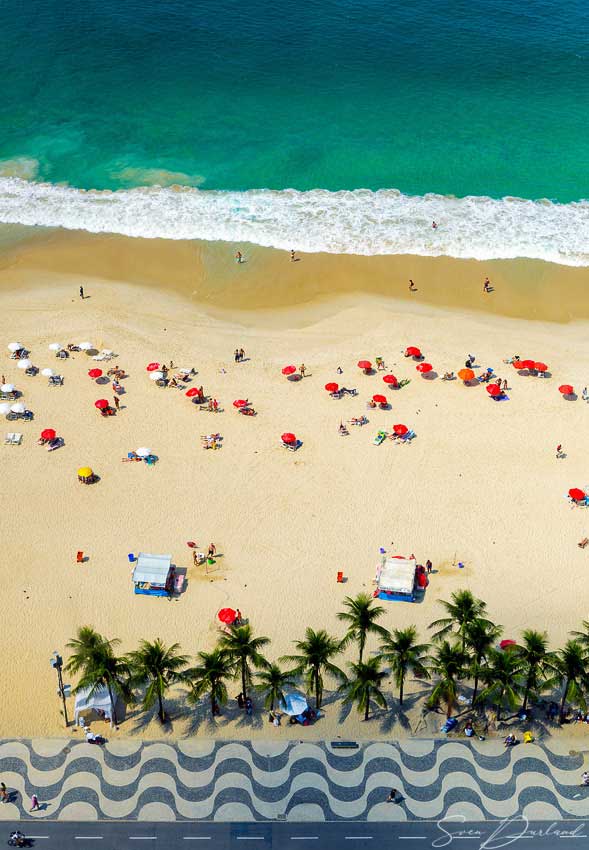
346	222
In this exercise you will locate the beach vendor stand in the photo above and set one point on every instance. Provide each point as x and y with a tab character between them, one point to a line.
153	575
396	579
94	704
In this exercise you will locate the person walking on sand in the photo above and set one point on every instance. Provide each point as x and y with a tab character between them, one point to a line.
212	550
241	355
238	257
34	803
302	370
292	256
236	355
559	452
82	293
412	287
117	401
487	285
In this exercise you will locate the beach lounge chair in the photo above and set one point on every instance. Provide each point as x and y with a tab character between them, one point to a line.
380	438
292	446
340	577
406	438
56	443
15	439
80	558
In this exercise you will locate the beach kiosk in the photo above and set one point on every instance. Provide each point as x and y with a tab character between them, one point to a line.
396	579
153	575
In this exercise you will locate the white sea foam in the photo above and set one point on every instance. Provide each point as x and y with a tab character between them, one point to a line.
354	222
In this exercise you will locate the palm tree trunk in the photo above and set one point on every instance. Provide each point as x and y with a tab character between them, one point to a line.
401	685
243	680
113	710
562	702
498	706
367	709
317	694
362	643
475	689
527	691
272	701
161	712
213	693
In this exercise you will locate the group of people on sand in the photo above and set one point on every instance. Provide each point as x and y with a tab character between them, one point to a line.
239	355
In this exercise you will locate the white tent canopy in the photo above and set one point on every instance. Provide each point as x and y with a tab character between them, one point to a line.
294	704
86	702
152	569
397	575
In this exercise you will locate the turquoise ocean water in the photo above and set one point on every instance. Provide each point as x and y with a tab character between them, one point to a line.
343	125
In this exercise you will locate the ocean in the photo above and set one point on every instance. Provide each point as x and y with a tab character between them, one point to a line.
335	125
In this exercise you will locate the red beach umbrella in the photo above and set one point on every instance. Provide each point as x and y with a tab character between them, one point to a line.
566	389
379	399
424	368
540	367
289	370
48	434
227	615
192	392
517	364
528	364
288	438
507	644
412	351
364	364
493	390
95	373
240	402
153	367
400	430
332	387
576	494
390	379
101	404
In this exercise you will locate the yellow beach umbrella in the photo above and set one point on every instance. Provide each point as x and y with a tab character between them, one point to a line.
85	472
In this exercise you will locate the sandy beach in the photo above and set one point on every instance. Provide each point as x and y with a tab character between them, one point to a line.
479	484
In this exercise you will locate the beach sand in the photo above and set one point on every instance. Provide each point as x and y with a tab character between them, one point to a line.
479	485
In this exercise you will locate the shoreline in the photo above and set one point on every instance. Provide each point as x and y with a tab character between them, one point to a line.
207	274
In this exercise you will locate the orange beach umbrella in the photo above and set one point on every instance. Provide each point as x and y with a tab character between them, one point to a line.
466	375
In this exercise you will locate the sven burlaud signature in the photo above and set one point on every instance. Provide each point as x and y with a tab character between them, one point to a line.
492	836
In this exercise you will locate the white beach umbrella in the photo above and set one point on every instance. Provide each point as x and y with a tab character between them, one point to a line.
48	373
156	376
4	409
24	364
86	346
184	371
7	388
143	452
55	346
18	407
15	346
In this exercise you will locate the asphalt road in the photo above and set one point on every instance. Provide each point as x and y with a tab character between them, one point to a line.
122	835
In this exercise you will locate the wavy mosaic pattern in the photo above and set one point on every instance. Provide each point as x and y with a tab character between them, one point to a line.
295	781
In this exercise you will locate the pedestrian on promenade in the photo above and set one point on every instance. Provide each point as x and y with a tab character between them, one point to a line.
3	793
392	798
34	803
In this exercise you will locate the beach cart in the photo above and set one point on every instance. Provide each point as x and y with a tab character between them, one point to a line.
153	575
396	579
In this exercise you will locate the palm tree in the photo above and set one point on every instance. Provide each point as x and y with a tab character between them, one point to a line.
243	650
209	675
272	681
501	676
462	610
314	659
448	664
572	673
158	667
538	662
583	637
363	686
361	618
404	655
95	662
480	637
